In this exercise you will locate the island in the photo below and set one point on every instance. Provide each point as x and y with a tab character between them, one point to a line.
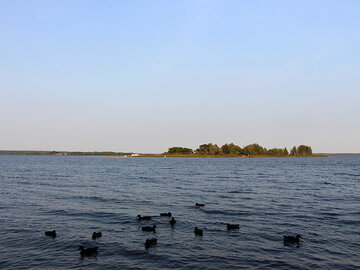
232	150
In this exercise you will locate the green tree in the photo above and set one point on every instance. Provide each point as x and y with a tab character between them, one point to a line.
235	150
304	150
214	149
203	149
277	152
225	149
254	149
208	149
180	150
293	151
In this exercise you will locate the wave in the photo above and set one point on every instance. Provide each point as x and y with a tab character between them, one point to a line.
347	174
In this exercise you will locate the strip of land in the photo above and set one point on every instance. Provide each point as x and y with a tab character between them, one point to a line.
209	150
62	153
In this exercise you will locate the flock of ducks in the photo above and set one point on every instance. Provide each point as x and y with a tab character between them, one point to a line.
287	239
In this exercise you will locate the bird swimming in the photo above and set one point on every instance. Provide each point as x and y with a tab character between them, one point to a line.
292	239
232	226
166	214
172	221
200	204
139	217
96	235
198	231
87	251
51	233
150	242
149	228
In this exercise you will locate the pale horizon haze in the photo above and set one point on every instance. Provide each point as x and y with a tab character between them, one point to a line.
142	76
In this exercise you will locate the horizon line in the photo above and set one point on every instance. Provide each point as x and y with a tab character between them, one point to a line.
131	152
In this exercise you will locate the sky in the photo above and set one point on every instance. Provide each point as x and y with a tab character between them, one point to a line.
142	76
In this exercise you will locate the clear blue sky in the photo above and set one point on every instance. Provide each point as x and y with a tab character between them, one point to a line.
146	75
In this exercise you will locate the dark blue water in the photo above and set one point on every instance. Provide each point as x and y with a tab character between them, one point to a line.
318	198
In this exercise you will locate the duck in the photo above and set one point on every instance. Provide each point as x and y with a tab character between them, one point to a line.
87	251
166	214
139	217
292	239
172	221
150	242
232	226
96	235
200	204
198	231
51	233
149	228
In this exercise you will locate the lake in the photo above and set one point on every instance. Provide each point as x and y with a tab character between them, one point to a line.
318	198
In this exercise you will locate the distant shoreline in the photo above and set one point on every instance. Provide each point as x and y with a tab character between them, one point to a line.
134	155
61	153
137	155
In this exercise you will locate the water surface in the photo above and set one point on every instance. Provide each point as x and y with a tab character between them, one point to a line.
318	198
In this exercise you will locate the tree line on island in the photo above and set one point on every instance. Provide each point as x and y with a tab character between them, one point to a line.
230	149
